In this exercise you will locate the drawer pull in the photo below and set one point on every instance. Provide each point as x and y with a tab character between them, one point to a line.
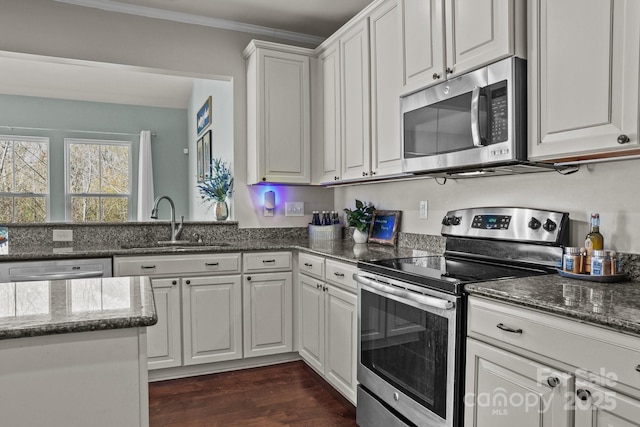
188	282
147	267
508	329
308	264
318	286
174	282
583	394
338	274
553	382
638	368
212	264
268	261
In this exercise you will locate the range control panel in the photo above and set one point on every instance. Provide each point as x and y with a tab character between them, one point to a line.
505	223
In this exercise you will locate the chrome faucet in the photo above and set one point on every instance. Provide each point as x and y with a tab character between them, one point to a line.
175	230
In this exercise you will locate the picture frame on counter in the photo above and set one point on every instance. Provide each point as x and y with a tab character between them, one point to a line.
203	117
384	227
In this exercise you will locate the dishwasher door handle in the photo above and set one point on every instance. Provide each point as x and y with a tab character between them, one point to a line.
56	276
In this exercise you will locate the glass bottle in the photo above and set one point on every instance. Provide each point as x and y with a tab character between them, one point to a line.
594	240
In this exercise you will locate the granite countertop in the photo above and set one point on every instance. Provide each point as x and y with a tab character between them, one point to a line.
344	250
29	309
614	305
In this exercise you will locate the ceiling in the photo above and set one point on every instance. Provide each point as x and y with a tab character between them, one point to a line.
29	75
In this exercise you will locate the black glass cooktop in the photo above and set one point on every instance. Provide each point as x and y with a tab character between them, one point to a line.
445	272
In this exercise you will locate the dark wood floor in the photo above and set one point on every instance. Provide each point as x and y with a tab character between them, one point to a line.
289	394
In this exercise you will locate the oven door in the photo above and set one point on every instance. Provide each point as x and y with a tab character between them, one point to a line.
407	357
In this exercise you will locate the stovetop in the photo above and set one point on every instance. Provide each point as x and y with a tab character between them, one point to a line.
447	273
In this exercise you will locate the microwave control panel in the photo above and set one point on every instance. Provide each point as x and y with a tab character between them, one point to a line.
498	107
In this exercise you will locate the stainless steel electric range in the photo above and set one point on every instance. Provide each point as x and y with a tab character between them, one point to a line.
412	311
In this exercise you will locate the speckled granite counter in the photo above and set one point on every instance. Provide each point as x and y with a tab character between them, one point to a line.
614	305
29	309
344	250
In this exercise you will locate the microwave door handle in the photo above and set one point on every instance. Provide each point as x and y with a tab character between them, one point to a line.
475	117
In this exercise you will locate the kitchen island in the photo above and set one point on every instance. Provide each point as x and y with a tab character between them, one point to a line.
73	352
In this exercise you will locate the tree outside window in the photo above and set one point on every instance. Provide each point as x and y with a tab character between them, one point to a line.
24	179
98	180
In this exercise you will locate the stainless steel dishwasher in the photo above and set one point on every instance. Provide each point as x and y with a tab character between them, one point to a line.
27	271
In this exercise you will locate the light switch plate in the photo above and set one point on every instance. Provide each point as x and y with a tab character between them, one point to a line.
293	208
63	235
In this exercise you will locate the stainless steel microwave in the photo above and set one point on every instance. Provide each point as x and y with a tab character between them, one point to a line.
473	121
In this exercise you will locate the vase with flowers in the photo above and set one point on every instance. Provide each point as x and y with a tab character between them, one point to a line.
360	219
217	188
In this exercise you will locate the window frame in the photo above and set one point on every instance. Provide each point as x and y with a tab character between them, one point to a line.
67	178
47	195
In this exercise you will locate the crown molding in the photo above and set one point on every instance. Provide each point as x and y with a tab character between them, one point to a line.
187	18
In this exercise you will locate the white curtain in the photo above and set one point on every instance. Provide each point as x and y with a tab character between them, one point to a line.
145	177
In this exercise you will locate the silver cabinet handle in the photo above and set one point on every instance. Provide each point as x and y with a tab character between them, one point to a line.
212	264
508	329
338	274
147	267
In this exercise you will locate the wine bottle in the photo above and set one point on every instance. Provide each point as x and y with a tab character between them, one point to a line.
594	240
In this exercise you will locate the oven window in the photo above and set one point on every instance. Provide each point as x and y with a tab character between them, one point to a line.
407	347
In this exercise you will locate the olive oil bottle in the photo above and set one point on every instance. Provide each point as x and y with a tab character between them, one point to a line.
594	240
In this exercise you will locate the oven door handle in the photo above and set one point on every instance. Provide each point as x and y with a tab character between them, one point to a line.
426	300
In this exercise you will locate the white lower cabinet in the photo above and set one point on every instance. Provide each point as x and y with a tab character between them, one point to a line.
329	321
164	344
527	368
268	313
211	319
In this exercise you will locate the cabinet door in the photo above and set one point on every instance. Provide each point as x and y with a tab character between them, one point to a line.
597	406
163	339
354	73
506	390
312	322
268	314
422	43
583	78
478	32
212	319
386	84
331	138
341	323
283	118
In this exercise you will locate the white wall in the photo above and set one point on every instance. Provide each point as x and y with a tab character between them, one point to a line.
45	27
608	188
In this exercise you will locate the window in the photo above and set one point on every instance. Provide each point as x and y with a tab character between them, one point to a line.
98	180
24	179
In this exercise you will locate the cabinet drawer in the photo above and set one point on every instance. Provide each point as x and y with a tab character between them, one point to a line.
267	261
311	265
162	265
341	273
562	339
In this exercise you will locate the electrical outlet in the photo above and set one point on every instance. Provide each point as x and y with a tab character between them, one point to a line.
63	235
293	208
424	209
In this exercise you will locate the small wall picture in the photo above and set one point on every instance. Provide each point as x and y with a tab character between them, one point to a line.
384	227
203	118
200	165
206	154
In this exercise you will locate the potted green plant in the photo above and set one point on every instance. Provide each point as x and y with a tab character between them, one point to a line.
217	188
360	219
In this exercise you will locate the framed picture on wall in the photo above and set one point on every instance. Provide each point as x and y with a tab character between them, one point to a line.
200	165
203	118
206	154
384	227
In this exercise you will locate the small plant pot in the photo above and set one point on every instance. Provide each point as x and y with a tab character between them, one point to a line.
221	210
360	236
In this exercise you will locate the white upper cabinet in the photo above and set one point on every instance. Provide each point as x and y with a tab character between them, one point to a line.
330	157
278	113
583	78
422	24
446	38
386	85
354	70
